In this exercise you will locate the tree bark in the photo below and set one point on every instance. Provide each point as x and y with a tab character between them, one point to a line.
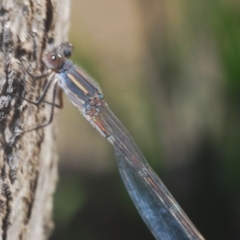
28	161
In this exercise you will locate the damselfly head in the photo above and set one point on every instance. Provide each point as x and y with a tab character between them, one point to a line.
53	61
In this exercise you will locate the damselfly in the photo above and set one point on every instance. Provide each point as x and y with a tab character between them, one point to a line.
160	212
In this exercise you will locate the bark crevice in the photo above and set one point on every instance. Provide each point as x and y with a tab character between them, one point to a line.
28	162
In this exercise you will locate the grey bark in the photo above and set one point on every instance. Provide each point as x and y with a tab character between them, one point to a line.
28	162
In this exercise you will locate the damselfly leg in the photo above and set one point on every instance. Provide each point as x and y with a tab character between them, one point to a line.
49	121
41	99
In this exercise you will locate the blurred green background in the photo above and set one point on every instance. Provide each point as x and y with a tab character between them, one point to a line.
170	71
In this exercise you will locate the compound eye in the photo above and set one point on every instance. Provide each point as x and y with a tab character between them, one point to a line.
53	61
53	57
67	53
67	49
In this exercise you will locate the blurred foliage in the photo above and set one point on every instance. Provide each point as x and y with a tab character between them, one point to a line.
170	71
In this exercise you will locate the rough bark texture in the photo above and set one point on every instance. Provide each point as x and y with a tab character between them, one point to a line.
28	162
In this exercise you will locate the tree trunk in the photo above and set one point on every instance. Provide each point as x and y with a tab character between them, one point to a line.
28	161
